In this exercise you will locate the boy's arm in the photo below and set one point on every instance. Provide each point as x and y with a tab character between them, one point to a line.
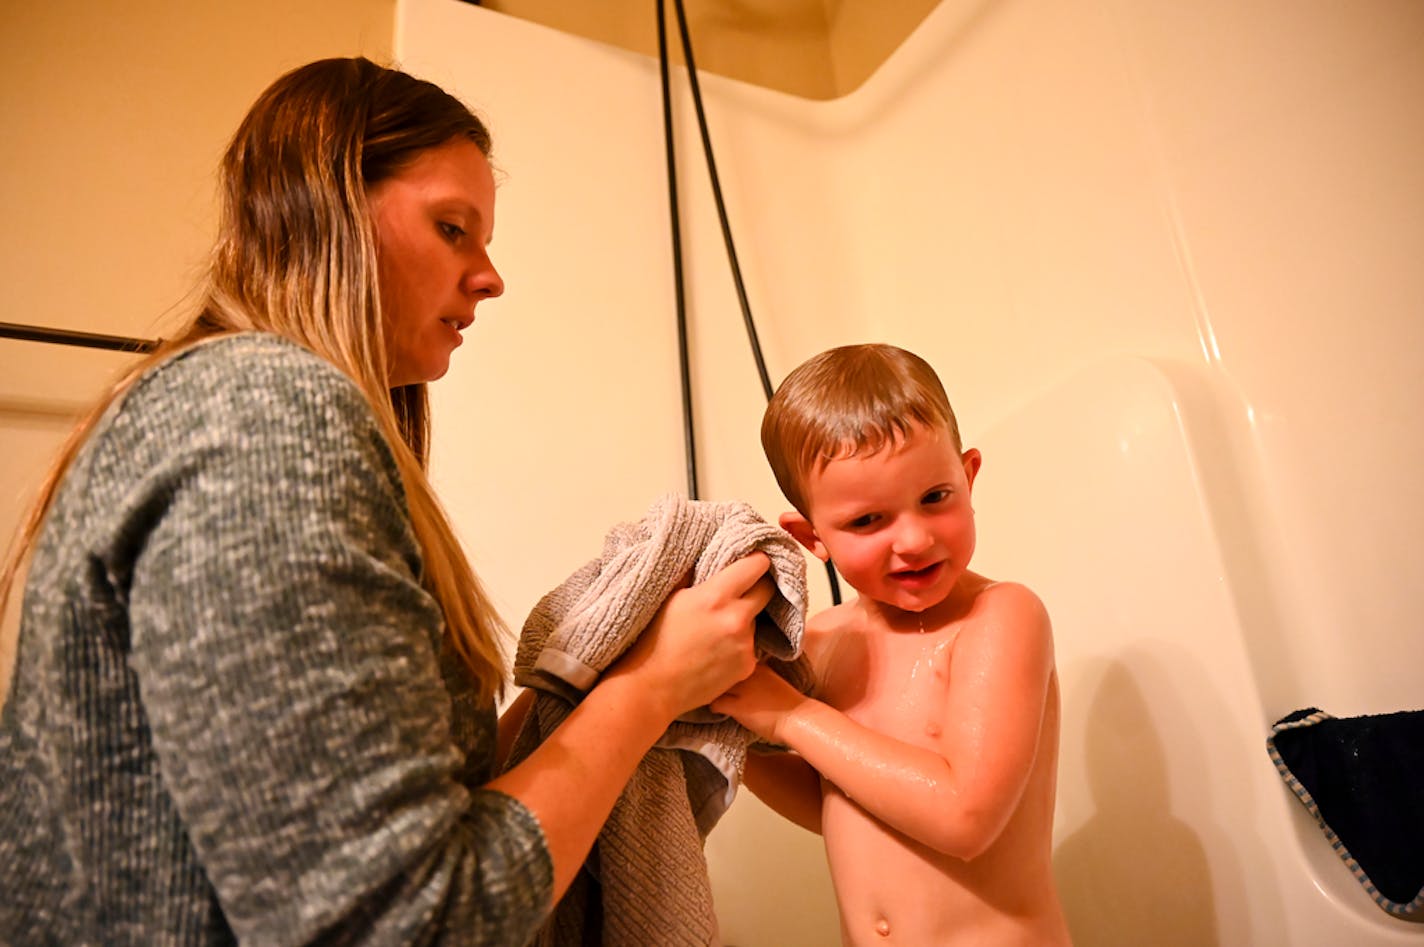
959	797
788	784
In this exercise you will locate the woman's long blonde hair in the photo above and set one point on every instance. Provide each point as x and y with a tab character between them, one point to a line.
296	256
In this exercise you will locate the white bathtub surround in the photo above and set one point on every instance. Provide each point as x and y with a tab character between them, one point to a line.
1165	257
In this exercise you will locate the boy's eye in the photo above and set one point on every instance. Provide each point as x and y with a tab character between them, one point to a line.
935	496
450	231
862	522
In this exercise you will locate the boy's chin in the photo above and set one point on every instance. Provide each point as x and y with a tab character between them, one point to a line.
920	600
919	604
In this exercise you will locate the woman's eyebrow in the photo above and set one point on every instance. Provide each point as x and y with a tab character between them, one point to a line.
465	206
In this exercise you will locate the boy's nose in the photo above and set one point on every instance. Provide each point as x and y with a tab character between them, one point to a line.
912	538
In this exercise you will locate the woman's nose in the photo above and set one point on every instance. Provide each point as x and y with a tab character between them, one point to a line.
483	280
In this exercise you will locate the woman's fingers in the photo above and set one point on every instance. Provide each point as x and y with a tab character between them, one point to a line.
702	639
740	577
741	589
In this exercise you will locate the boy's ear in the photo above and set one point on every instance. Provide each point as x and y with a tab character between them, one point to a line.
804	533
972	461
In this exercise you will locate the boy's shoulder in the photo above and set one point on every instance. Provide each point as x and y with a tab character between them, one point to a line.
999	607
827	625
830	620
1007	618
1009	597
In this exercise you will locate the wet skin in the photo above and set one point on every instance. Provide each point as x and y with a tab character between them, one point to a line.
927	755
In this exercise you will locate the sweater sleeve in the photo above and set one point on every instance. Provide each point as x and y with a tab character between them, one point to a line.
288	660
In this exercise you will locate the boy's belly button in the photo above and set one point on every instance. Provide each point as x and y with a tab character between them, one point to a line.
882	927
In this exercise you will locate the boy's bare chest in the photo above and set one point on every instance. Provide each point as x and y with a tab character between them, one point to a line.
897	684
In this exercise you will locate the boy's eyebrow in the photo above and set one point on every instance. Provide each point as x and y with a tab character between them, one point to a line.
852	512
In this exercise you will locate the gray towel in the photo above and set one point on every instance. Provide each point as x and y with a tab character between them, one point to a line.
647	878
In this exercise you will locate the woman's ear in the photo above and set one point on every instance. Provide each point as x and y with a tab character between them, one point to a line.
804	533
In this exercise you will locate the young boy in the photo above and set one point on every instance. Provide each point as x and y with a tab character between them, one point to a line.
927	754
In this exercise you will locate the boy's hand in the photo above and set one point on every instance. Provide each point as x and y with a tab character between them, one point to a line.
760	703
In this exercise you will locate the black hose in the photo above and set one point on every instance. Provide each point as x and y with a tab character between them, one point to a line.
721	207
684	366
726	237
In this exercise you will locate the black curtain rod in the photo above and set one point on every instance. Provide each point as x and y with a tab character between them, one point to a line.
88	340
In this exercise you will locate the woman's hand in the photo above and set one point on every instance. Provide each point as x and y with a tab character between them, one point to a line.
700	642
698	645
760	703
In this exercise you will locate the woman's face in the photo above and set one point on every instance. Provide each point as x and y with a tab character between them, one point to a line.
434	221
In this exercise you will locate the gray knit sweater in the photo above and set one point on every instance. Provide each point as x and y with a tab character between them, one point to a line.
232	716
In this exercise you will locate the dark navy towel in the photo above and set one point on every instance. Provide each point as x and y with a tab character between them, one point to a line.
1362	778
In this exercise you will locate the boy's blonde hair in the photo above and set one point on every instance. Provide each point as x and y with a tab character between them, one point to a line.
296	256
846	401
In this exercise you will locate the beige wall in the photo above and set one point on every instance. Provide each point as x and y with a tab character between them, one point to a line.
1166	260
817	49
114	117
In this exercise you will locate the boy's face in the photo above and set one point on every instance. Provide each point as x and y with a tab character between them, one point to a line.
898	523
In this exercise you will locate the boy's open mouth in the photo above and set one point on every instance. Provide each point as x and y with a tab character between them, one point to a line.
921	576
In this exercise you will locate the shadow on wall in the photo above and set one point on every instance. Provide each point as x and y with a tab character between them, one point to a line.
1237	503
1166	800
1134	873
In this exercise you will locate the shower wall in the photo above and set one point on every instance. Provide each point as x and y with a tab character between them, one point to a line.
1165	257
115	116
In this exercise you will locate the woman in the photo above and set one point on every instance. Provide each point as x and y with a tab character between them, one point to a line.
253	697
